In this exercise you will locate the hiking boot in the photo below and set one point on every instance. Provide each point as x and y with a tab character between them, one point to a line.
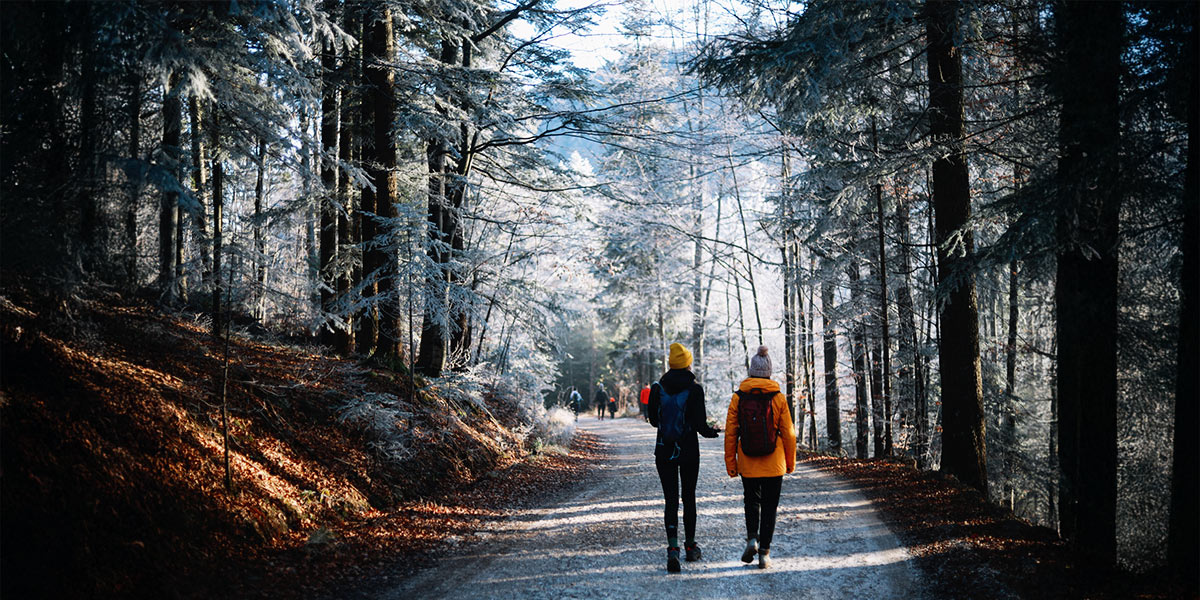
672	560
764	559
751	550
693	552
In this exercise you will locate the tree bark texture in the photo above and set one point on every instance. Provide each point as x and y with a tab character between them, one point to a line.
168	212
200	188
329	182
1089	200
347	111
832	399
218	199
89	223
858	354
874	363
1009	434
260	245
788	325
884	329
964	450
1183	543
368	228
380	259
135	185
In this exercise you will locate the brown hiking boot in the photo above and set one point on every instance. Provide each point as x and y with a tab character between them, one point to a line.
764	559
751	549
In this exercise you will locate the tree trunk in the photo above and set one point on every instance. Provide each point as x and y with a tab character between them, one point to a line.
168	214
884	333
1052	461
344	338
858	353
800	344
811	348
697	278
200	189
964	449
329	183
929	316
435	337
741	323
833	421
312	248
908	374
1086	295
135	184
89	119
1009	434
260	246
368	228
1183	542
875	365
789	358
218	198
461	333
381	251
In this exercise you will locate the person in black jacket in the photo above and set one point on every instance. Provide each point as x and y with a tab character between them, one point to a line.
601	400
679	462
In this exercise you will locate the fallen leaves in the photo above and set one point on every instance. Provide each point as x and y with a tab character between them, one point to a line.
112	451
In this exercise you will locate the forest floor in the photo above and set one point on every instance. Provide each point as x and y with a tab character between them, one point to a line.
112	458
970	548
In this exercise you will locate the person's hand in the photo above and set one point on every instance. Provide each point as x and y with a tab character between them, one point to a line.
732	472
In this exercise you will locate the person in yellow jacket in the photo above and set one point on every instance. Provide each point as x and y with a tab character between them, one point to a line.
762	476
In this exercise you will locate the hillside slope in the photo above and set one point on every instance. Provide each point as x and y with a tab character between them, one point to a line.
111	445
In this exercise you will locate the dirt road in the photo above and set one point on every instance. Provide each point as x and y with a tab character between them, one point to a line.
607	540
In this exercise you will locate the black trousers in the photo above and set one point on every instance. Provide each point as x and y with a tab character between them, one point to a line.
679	476
762	501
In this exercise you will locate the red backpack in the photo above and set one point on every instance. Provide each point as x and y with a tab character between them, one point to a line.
756	422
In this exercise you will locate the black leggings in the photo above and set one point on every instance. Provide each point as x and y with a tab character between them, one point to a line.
671	473
762	499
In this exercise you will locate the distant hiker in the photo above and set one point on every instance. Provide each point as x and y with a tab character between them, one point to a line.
612	407
600	399
576	402
760	445
644	402
676	408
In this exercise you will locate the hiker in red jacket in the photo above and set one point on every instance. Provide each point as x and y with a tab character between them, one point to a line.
644	402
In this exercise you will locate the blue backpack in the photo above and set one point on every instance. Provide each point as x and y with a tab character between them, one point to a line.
671	422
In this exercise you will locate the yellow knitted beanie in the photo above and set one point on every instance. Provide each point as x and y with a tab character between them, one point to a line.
680	358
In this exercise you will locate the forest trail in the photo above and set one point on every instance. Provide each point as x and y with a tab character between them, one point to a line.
606	540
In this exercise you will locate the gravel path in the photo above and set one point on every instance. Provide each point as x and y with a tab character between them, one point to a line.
607	540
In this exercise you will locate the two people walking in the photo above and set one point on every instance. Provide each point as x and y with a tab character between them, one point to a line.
760	446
